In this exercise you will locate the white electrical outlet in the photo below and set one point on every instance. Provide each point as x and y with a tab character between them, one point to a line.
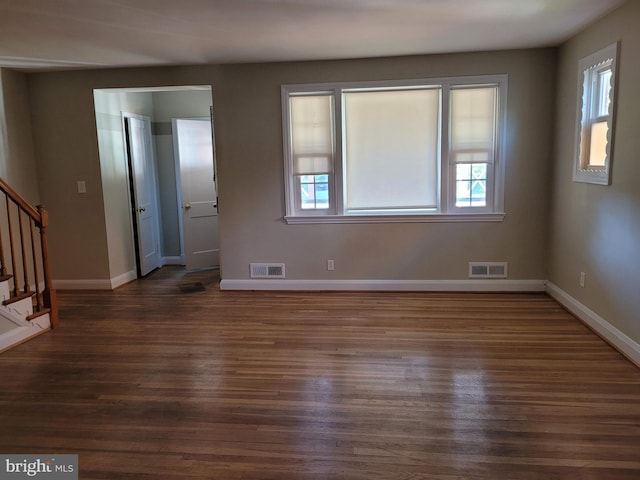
583	277
330	265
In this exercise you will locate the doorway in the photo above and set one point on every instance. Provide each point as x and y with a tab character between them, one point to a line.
160	105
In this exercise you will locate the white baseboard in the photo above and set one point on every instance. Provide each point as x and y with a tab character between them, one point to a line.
95	284
387	285
179	260
127	277
625	345
85	284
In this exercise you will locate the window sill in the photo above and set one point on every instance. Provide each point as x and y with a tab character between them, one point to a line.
597	177
432	218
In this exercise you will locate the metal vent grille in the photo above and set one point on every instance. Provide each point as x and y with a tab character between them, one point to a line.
487	269
267	270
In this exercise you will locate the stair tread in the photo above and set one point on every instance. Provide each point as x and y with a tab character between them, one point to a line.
17	298
40	313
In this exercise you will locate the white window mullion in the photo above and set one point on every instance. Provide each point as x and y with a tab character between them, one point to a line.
289	179
338	165
498	171
447	174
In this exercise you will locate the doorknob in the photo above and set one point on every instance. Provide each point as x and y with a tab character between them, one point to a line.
187	206
142	209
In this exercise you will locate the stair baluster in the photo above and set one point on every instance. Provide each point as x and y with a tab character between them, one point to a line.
11	249
3	265
25	271
35	267
45	300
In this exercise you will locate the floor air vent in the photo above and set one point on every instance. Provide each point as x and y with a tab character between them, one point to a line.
487	269
267	270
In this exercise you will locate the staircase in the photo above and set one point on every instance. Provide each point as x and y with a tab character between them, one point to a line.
27	298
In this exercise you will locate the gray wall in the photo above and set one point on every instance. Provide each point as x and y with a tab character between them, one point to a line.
17	159
249	144
247	113
596	229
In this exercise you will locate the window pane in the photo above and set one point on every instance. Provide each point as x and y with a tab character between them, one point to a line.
471	185
392	144
463	172
308	195
598	151
322	195
604	90
473	119
311	133
314	192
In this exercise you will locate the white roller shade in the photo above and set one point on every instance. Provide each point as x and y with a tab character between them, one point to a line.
311	119
391	139
473	124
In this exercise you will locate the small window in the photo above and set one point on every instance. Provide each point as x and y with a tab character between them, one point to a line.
596	107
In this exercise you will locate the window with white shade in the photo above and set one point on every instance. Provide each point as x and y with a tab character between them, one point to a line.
395	151
312	150
473	143
390	152
595	112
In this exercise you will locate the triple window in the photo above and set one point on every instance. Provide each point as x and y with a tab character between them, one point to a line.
383	150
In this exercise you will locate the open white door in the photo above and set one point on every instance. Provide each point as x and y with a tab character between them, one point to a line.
193	145
144	199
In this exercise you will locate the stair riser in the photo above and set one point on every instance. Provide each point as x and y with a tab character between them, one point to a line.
21	309
5	294
19	335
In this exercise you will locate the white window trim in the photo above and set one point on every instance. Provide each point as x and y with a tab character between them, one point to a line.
447	212
599	176
292	204
413	218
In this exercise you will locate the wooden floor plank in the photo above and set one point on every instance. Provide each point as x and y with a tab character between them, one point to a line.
150	382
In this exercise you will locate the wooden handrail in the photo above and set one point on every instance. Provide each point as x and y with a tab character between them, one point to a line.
39	217
20	201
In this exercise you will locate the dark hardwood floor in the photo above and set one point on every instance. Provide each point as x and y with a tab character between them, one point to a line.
148	382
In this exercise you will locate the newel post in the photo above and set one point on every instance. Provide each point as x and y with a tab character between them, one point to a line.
49	293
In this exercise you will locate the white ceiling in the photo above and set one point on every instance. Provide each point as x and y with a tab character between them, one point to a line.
108	33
